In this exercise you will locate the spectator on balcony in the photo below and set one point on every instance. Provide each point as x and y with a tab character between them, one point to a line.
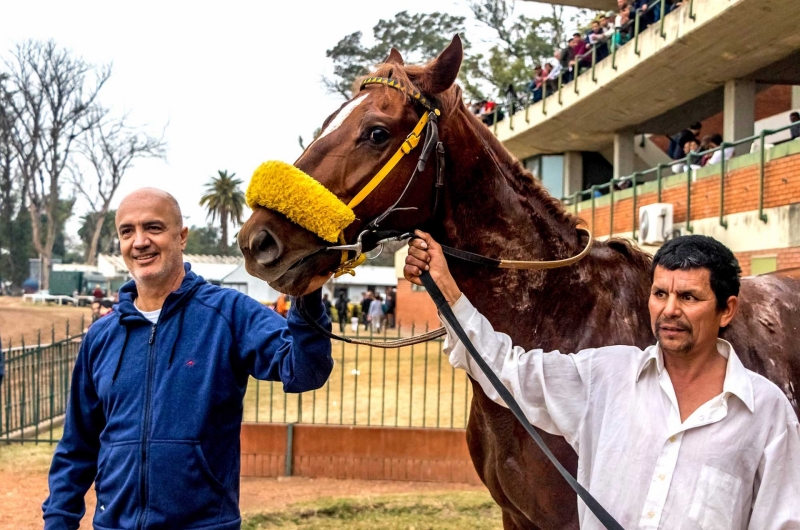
622	24
794	117
564	58
579	48
693	160
552	71
598	39
511	98
535	85
713	142
676	143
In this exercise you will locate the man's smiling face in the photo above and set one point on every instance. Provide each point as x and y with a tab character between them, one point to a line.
151	237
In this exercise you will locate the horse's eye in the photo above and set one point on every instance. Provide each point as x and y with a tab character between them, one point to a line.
378	135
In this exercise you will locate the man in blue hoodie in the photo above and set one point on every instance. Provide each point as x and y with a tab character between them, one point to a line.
155	408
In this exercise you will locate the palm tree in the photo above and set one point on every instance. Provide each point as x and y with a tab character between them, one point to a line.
223	198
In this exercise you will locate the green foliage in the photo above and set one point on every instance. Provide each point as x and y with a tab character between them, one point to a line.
206	240
418	37
521	43
225	199
107	244
442	511
16	240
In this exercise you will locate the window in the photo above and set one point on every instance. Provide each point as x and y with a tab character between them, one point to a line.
549	169
763	265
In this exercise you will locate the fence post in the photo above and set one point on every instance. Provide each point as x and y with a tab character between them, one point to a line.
289	449
722	222
611	207
511	115
560	86
495	114
689	192
663	16
636	34
691	10
761	173
593	192
527	120
615	45
635	217
544	98
594	61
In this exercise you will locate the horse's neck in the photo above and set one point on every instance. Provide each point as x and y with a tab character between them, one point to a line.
493	211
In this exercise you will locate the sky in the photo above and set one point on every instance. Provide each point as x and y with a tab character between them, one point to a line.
234	83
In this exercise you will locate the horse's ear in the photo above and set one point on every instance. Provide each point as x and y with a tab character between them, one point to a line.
394	57
441	73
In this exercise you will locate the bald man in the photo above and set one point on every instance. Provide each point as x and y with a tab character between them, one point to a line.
155	407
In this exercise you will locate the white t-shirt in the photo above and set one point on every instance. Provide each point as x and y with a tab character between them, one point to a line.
152	316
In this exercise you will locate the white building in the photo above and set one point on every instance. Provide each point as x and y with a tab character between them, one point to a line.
376	279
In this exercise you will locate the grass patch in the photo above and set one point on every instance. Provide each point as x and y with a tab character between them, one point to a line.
440	511
28	456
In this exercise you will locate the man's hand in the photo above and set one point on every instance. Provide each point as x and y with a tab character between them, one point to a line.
425	254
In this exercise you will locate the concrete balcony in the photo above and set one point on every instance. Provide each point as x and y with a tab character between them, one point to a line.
667	79
597	5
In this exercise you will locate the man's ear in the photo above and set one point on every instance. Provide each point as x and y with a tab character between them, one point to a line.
441	73
184	237
394	57
729	312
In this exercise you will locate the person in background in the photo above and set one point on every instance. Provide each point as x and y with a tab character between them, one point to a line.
391	301
282	305
341	309
366	301
326	303
597	38
376	313
712	142
676	143
794	117
535	84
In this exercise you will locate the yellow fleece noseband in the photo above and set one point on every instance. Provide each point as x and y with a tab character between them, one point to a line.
304	201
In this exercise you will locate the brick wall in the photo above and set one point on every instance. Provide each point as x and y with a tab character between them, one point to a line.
415	307
788	258
347	452
781	187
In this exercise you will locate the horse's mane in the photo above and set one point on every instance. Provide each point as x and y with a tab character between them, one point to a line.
451	103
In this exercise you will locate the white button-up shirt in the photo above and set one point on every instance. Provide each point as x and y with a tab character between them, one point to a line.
733	464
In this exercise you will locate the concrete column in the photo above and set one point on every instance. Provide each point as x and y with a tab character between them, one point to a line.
739	112
795	97
623	154
573	173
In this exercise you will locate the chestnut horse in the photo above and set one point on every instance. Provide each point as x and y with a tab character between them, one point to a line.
492	206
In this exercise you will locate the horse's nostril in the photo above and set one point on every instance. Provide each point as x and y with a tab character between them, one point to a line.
264	248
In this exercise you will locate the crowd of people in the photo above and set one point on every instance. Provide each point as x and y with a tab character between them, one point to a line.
374	311
606	32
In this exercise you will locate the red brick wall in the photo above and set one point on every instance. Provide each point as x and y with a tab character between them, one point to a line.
788	258
347	452
781	187
415	307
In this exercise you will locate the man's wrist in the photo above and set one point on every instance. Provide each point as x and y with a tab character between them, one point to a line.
450	291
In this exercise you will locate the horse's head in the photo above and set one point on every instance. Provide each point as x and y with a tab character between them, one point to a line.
355	144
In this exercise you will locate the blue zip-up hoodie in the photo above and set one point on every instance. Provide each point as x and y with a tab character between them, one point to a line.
155	411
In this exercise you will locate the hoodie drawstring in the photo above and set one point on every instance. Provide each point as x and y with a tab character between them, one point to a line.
177	337
122	354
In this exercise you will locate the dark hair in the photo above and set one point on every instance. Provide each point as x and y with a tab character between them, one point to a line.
794	115
716	138
702	252
108	304
696	126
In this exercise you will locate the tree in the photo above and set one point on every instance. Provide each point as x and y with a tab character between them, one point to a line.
53	105
110	148
521	43
418	37
223	198
203	240
106	238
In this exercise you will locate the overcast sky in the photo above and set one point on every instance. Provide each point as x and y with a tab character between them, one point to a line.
237	82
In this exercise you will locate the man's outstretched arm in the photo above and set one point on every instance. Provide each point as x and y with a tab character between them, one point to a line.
552	389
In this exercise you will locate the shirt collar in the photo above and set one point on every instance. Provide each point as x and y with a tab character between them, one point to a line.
737	380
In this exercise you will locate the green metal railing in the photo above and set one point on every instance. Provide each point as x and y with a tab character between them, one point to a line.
614	45
688	163
35	389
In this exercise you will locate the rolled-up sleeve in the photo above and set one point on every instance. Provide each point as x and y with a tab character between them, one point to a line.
551	388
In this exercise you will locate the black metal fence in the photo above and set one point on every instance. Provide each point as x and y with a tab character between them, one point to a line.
414	386
34	391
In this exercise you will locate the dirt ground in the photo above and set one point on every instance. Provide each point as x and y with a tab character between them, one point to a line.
18	319
23	475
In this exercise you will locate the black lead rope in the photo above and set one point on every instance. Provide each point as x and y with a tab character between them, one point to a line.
447	313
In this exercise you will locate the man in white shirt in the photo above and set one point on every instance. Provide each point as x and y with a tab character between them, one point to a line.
679	435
